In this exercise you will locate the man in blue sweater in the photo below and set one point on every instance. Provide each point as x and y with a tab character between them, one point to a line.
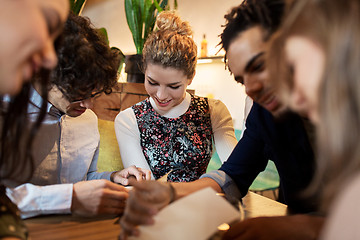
271	133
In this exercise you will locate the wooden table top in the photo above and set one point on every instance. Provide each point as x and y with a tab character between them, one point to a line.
67	227
63	227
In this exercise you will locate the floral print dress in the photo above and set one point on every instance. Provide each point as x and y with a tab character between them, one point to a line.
181	145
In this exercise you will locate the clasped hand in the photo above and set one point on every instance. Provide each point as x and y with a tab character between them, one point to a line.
122	176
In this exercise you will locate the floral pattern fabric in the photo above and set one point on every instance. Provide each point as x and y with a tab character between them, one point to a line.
181	146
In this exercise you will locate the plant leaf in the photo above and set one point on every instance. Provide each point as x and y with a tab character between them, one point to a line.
121	57
149	19
77	6
72	3
163	4
138	9
132	14
158	7
103	32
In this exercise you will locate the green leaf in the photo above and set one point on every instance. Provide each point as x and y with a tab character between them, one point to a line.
103	32
132	15
158	7
72	3
139	25
163	4
121	56
142	13
149	19
76	6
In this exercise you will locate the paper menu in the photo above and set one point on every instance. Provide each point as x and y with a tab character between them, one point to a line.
194	217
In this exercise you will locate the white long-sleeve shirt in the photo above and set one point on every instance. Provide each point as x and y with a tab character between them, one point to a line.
128	135
65	152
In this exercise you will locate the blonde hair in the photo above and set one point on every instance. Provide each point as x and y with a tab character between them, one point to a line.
334	25
171	44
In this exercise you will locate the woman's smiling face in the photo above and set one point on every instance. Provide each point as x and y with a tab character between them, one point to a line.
165	85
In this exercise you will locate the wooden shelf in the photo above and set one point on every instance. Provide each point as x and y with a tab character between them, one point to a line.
210	60
123	96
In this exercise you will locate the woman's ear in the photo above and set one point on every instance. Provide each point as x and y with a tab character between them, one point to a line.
191	78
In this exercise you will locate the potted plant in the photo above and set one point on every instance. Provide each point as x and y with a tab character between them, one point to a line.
140	17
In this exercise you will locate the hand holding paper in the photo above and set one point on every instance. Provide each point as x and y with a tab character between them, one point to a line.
145	200
196	216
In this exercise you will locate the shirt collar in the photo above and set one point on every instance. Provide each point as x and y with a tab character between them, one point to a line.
37	100
175	111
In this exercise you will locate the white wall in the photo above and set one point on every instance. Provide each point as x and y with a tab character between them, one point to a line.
214	80
206	17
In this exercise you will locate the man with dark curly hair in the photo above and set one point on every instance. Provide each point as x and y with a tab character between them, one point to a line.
67	145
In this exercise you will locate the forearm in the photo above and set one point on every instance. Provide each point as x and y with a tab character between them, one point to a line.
128	137
132	155
185	188
99	175
93	173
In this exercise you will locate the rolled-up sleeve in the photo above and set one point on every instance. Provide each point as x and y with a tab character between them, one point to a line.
226	183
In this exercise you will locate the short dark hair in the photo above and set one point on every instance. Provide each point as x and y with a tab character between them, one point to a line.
264	13
85	61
